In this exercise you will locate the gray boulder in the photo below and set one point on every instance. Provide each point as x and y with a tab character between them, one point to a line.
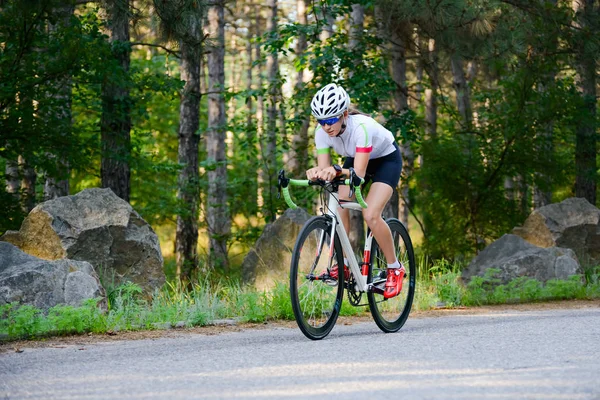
515	257
26	279
269	261
96	226
573	223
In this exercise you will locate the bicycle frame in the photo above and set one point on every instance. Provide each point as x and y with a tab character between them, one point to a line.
357	271
332	210
317	287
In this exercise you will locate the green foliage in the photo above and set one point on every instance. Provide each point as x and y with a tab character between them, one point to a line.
487	290
125	296
11	213
209	301
438	284
24	321
155	94
449	290
68	319
29	322
36	65
281	302
462	182
525	97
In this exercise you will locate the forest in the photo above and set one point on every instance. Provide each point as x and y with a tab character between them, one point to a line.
188	109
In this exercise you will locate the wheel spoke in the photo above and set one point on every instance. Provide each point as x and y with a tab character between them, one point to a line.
315	302
390	314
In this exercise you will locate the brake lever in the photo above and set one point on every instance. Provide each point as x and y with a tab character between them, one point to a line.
282	181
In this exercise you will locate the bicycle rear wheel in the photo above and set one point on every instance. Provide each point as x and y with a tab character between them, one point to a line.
316	296
391	314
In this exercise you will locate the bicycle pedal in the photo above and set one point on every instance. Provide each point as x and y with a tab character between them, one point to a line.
330	281
326	279
377	289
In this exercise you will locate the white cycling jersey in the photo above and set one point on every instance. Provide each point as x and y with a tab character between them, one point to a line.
362	135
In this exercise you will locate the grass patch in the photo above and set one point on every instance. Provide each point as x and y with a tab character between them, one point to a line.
437	285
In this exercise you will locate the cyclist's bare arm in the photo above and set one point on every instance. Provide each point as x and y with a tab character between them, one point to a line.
360	163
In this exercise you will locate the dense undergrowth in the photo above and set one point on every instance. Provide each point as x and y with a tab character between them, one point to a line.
209	301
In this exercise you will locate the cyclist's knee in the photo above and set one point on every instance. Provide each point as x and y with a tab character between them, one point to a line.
344	193
371	218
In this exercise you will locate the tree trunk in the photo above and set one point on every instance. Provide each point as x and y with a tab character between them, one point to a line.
233	80
29	177
11	174
461	87
355	29
188	193
357	20
298	160
115	122
586	141
249	78
419	68
430	93
217	210
57	183
270	140
329	20
251	117
399	207
542	188
27	173
260	107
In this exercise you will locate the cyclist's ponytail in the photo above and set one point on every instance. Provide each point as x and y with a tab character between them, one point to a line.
352	110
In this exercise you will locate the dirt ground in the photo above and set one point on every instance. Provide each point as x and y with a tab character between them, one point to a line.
87	339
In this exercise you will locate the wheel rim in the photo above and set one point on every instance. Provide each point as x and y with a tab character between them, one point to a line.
316	301
390	314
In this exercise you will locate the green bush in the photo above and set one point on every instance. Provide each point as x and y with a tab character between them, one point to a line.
449	289
207	301
281	302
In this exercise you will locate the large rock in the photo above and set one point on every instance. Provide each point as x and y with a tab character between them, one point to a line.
269	261
573	223
96	226
515	257
26	279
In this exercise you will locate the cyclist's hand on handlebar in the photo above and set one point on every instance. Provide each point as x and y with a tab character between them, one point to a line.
311	174
327	174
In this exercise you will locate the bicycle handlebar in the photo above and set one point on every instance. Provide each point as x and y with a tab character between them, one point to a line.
354	182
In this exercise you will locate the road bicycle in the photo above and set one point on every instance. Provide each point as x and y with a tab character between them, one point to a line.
316	290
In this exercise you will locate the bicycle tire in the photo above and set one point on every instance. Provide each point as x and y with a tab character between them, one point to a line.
316	302
391	314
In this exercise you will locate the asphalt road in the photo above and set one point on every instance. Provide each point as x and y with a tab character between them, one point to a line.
551	354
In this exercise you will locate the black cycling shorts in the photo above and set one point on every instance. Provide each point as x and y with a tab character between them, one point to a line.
386	169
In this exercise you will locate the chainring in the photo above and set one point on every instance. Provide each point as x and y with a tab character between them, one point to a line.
354	296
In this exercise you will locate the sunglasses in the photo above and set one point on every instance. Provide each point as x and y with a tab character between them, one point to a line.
329	121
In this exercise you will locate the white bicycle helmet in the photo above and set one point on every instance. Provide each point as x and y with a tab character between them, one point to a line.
330	101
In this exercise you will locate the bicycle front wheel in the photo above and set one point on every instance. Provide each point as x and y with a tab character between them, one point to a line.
316	295
391	314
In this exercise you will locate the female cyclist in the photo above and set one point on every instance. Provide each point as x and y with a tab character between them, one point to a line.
373	153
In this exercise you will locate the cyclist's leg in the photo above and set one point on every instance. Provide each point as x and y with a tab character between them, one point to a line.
379	194
343	193
386	175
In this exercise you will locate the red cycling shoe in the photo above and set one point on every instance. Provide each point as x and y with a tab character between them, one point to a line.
333	273
393	284
331	278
